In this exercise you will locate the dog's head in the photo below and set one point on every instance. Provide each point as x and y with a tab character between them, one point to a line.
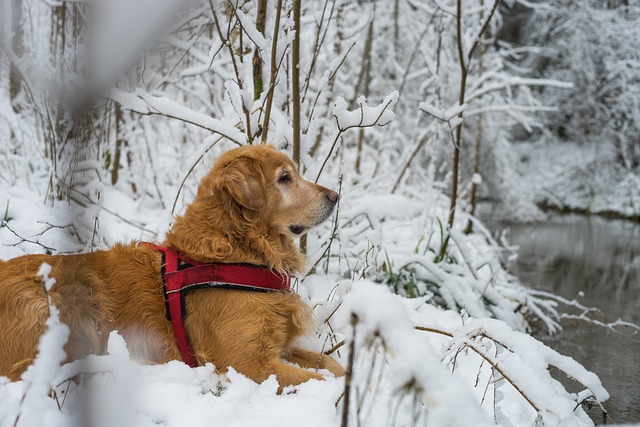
265	186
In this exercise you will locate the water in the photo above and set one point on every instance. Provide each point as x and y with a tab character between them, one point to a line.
599	259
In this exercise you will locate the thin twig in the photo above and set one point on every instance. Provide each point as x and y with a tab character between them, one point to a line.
335	348
341	131
423	140
483	30
35	242
295	82
349	373
193	166
319	41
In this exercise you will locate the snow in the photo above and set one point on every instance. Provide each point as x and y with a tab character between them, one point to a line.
174	394
439	114
43	273
412	361
412	377
247	25
366	115
384	242
590	150
413	368
145	103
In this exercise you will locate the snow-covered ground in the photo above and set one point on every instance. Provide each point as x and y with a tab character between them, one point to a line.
435	344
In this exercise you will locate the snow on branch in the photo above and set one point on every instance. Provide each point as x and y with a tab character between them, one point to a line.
551	301
536	358
509	108
414	366
445	7
364	116
507	356
144	103
456	114
250	29
452	115
536	5
517	81
206	61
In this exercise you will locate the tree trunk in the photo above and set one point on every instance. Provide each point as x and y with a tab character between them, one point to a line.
479	136
12	20
295	82
366	75
274	73
295	89
258	85
458	134
117	155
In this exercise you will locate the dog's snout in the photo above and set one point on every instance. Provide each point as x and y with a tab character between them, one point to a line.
332	196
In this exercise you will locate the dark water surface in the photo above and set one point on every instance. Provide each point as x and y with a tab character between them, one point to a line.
597	262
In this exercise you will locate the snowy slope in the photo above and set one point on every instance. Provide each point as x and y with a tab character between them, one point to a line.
459	368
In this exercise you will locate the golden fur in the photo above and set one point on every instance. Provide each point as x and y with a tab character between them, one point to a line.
248	209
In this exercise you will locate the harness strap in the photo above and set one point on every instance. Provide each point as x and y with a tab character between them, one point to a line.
177	281
175	305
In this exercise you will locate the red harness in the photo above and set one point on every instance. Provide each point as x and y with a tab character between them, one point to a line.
180	274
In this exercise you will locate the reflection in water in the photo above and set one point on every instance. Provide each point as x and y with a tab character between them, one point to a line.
598	263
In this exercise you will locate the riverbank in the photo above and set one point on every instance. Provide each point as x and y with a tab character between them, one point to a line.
578	178
568	210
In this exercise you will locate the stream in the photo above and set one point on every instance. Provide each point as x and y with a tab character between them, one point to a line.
597	262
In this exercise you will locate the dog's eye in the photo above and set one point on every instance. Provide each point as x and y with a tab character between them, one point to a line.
284	177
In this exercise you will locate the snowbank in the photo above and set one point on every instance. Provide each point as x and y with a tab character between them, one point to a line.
435	344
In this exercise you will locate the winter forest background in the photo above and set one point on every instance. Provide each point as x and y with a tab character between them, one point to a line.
422	113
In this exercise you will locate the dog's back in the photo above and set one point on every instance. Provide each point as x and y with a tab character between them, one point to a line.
91	292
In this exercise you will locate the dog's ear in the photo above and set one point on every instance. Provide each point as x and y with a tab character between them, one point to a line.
244	181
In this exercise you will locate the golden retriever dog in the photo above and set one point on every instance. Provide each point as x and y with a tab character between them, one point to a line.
248	209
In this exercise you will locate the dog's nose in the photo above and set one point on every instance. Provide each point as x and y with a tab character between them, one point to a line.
332	196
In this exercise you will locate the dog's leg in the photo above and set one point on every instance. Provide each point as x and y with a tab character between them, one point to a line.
290	375
312	360
82	309
286	375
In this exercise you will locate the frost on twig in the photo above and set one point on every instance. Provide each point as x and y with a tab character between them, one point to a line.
455	115
550	303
